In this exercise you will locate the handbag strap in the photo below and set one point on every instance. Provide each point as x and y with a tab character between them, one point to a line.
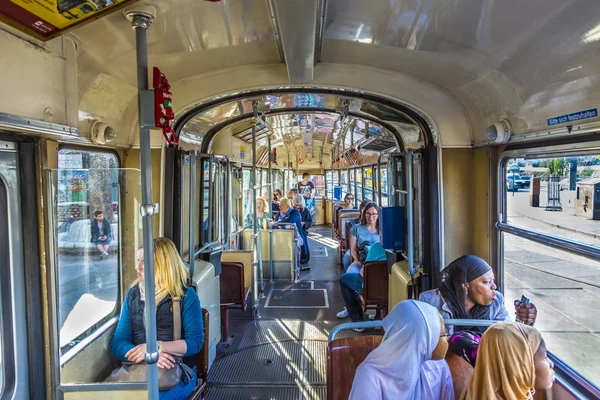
176	318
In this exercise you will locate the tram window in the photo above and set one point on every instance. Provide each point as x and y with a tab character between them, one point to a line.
368	183
332	182
566	291
344	183
541	190
87	237
247	190
564	286
359	184
319	182
384	186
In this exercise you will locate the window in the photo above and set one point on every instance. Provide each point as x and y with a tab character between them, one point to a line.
344	182
332	183
87	226
247	193
384	187
359	184
368	183
540	195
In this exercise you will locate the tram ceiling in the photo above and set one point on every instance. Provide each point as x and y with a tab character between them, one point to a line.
308	116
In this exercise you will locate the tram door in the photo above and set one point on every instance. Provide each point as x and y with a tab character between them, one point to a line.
14	381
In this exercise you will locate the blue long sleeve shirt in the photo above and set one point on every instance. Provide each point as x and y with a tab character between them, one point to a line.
193	327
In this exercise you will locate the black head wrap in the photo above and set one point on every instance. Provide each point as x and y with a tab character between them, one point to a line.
459	272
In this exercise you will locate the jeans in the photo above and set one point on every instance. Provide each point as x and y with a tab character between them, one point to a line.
179	392
354	268
350	284
346	259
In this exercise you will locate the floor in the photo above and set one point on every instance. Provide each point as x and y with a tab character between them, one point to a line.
283	355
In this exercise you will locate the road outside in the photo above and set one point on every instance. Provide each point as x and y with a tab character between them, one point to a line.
87	292
564	287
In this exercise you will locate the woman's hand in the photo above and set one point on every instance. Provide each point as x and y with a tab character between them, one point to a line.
137	354
165	360
526	312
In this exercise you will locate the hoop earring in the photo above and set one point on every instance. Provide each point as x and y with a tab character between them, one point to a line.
531	392
467	291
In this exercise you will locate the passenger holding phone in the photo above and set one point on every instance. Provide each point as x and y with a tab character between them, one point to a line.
468	291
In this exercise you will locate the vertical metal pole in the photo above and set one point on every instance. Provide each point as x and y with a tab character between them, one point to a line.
288	176
211	200
255	295
141	22
192	199
270	212
409	208
379	176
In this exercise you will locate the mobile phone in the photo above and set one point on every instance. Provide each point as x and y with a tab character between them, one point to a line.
524	300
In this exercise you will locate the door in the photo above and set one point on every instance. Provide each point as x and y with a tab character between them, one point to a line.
14	376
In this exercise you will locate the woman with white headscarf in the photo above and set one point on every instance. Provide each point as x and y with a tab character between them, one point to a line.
409	362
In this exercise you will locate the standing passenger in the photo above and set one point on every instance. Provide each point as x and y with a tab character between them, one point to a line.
409	363
307	189
513	364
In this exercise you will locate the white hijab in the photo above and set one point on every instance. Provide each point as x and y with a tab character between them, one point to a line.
401	367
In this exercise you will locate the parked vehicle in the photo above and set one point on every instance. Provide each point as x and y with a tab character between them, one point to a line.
564	184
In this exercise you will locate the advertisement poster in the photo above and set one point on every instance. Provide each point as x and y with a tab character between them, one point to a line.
45	19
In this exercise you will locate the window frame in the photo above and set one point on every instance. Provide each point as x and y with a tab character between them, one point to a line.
99	328
567	375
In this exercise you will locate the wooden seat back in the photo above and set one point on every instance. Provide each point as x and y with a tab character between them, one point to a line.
201	361
343	216
343	358
232	283
461	373
377	283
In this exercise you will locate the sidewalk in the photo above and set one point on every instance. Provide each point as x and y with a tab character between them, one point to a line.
565	219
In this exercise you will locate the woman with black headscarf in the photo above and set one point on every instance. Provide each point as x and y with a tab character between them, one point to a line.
468	291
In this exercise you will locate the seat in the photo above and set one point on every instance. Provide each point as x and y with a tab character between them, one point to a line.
343	217
233	293
334	210
461	372
201	361
376	286
343	358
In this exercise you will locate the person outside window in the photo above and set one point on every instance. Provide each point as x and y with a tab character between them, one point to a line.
101	234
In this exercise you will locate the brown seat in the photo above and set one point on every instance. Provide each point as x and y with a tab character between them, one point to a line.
201	361
376	286
233	293
461	373
343	358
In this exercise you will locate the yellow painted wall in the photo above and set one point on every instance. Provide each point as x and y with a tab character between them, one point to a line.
469	202
459	188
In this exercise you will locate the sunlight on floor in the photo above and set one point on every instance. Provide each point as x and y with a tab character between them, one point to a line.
324	240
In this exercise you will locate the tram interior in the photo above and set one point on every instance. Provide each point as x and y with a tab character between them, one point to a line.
472	126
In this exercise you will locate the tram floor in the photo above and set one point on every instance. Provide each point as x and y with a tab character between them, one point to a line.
283	355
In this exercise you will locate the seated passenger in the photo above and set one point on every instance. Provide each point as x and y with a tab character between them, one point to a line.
362	237
409	362
512	364
347	259
348	203
277	195
288	214
307	221
101	233
468	291
171	278
262	214
292	193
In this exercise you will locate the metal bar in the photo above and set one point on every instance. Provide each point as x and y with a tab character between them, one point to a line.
16	123
255	295
141	23
270	212
378	324
410	213
260	245
379	176
214	246
211	199
192	202
101	387
226	210
552	241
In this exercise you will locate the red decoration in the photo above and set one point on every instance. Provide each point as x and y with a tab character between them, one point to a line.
163	106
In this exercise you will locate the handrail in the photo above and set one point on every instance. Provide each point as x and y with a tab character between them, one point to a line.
545	239
215	245
378	324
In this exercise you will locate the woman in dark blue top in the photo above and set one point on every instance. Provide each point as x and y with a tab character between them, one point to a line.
290	215
171	277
